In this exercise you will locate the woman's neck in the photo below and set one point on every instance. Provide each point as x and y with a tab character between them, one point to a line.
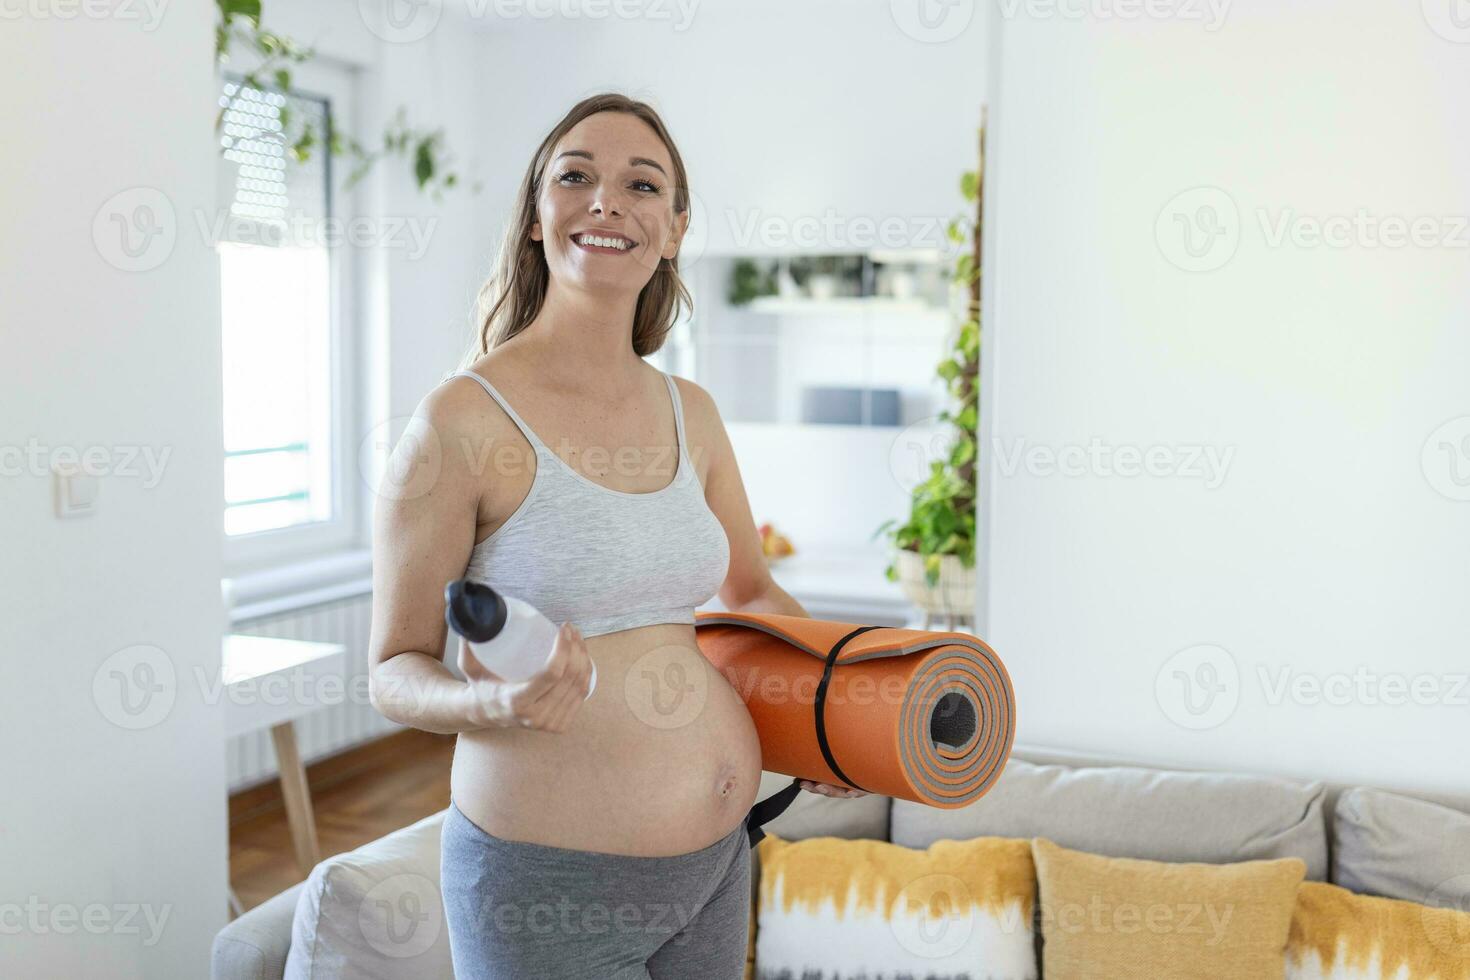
587	337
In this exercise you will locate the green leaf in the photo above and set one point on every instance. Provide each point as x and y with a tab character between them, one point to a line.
970	185
301	150
245	9
964	268
423	164
283	79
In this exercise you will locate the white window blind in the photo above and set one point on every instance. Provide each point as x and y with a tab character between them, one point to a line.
277	295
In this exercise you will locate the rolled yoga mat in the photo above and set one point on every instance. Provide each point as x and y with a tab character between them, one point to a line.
918	715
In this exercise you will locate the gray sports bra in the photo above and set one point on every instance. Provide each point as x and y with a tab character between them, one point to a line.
603	559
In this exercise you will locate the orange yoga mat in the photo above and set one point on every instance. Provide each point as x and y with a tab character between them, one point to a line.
918	715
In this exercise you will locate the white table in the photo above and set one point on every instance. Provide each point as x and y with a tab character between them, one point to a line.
269	683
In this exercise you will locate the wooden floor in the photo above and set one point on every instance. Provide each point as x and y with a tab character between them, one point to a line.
359	796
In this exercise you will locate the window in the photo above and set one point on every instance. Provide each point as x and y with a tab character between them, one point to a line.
284	302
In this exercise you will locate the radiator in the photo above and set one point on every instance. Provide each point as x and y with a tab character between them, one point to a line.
251	759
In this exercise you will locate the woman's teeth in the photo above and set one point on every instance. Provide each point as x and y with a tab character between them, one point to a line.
621	244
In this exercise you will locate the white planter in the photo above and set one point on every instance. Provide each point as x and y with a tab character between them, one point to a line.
954	594
822	286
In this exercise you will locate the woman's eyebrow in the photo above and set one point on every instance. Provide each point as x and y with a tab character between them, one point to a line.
632	161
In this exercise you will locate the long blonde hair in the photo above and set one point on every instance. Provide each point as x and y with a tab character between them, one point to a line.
510	299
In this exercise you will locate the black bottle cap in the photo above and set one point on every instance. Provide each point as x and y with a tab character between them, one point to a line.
474	610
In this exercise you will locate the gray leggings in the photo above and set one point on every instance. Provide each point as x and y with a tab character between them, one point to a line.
522	911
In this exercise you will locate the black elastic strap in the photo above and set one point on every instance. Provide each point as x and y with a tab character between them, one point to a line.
820	708
774	805
769	809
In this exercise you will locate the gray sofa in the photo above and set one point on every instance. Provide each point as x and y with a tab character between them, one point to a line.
1385	843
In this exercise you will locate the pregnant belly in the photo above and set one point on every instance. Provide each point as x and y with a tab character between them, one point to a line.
662	759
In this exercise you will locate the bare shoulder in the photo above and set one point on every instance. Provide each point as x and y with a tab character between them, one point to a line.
704	431
459	424
456	406
699	405
464	405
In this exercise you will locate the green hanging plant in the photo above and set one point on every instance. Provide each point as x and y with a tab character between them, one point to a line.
238	32
941	519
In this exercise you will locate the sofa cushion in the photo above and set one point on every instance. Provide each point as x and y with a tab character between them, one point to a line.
814	815
1335	933
255	946
1137	813
375	912
1400	847
1121	917
858	909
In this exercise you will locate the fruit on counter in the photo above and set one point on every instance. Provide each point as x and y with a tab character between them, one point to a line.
774	544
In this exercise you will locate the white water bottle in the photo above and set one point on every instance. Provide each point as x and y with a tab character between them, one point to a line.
508	635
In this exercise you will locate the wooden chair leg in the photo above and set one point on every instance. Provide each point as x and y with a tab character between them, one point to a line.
297	796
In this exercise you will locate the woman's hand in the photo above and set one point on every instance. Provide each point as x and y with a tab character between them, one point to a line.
545	701
827	789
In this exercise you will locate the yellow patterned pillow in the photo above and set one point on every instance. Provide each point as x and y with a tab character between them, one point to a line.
834	909
1121	917
1339	935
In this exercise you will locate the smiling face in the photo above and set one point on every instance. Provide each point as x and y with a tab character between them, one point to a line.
605	212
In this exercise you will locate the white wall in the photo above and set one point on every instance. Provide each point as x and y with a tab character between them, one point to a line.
1328	544
814	117
804	126
417	285
112	837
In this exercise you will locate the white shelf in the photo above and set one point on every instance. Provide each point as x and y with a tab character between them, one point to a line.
841	305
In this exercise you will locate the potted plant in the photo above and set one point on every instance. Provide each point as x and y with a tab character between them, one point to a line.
822	282
934	556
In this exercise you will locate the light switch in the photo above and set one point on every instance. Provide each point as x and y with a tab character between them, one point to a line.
75	490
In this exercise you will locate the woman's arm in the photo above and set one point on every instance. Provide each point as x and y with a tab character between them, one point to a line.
424	525
748	585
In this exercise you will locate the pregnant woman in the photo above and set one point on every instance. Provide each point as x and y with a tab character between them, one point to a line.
603	836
